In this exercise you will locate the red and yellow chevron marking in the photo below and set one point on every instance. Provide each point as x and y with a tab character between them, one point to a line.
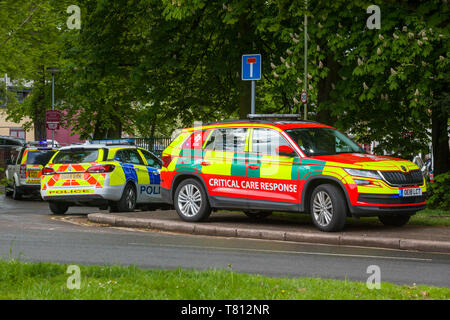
79	169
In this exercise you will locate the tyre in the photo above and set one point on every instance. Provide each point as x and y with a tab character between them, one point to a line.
8	191
58	207
328	208
394	220
191	201
16	194
127	202
257	214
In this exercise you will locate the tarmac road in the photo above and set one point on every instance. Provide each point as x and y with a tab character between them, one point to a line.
30	232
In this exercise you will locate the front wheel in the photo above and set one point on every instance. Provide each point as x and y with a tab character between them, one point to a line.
191	202
328	208
394	220
58	207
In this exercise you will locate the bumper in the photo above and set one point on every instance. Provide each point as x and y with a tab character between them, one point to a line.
373	211
165	196
84	194
375	204
29	188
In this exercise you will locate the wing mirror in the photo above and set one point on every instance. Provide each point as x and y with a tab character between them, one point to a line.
285	150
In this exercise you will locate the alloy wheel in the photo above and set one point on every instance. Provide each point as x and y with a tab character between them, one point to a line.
189	200
322	208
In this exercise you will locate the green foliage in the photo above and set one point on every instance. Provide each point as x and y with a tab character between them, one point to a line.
439	192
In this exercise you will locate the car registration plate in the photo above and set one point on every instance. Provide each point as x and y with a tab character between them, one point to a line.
412	192
72	176
33	174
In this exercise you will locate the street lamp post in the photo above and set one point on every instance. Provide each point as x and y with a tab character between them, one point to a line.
306	56
53	70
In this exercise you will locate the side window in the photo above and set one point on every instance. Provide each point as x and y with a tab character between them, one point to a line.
265	141
151	159
214	139
134	157
229	140
19	158
120	156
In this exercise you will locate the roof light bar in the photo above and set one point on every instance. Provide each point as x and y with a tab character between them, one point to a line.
113	142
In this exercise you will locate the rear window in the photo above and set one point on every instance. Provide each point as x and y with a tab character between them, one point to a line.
76	156
41	157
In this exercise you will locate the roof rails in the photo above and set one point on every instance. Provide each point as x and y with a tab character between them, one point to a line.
267	118
111	142
233	121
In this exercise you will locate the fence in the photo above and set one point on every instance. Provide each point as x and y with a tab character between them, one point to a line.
156	145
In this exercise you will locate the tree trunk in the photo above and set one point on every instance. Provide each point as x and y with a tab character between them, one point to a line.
325	87
440	140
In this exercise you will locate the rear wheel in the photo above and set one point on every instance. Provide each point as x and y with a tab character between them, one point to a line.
191	202
328	208
257	214
394	220
8	191
58	207
127	202
16	194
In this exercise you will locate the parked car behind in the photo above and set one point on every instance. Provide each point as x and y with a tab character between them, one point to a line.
24	171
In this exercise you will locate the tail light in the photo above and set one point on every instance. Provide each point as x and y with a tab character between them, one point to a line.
101	168
46	171
23	171
166	161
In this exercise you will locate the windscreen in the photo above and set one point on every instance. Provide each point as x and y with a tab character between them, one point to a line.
41	157
76	156
323	141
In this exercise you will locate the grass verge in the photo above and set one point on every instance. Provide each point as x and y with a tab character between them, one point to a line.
20	280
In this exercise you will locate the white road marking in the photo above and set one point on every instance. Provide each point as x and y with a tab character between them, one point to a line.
287	252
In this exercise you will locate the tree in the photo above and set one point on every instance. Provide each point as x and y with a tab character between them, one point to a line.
385	85
28	45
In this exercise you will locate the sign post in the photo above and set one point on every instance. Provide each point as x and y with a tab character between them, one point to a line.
251	71
52	120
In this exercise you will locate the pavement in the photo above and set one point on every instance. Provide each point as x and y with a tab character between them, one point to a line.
237	225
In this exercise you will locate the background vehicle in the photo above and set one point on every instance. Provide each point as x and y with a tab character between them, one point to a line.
297	166
9	148
24	171
114	174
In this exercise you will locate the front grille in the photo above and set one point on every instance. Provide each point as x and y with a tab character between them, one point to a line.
403	179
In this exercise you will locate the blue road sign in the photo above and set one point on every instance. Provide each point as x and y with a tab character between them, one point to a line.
251	67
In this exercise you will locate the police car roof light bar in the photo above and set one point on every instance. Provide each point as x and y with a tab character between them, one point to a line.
113	142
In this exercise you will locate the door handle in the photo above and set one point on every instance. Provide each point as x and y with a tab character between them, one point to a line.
253	167
205	163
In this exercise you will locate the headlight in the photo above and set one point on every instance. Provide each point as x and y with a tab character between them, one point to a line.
363	173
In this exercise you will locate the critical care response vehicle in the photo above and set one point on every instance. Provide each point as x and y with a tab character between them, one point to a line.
103	173
261	166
